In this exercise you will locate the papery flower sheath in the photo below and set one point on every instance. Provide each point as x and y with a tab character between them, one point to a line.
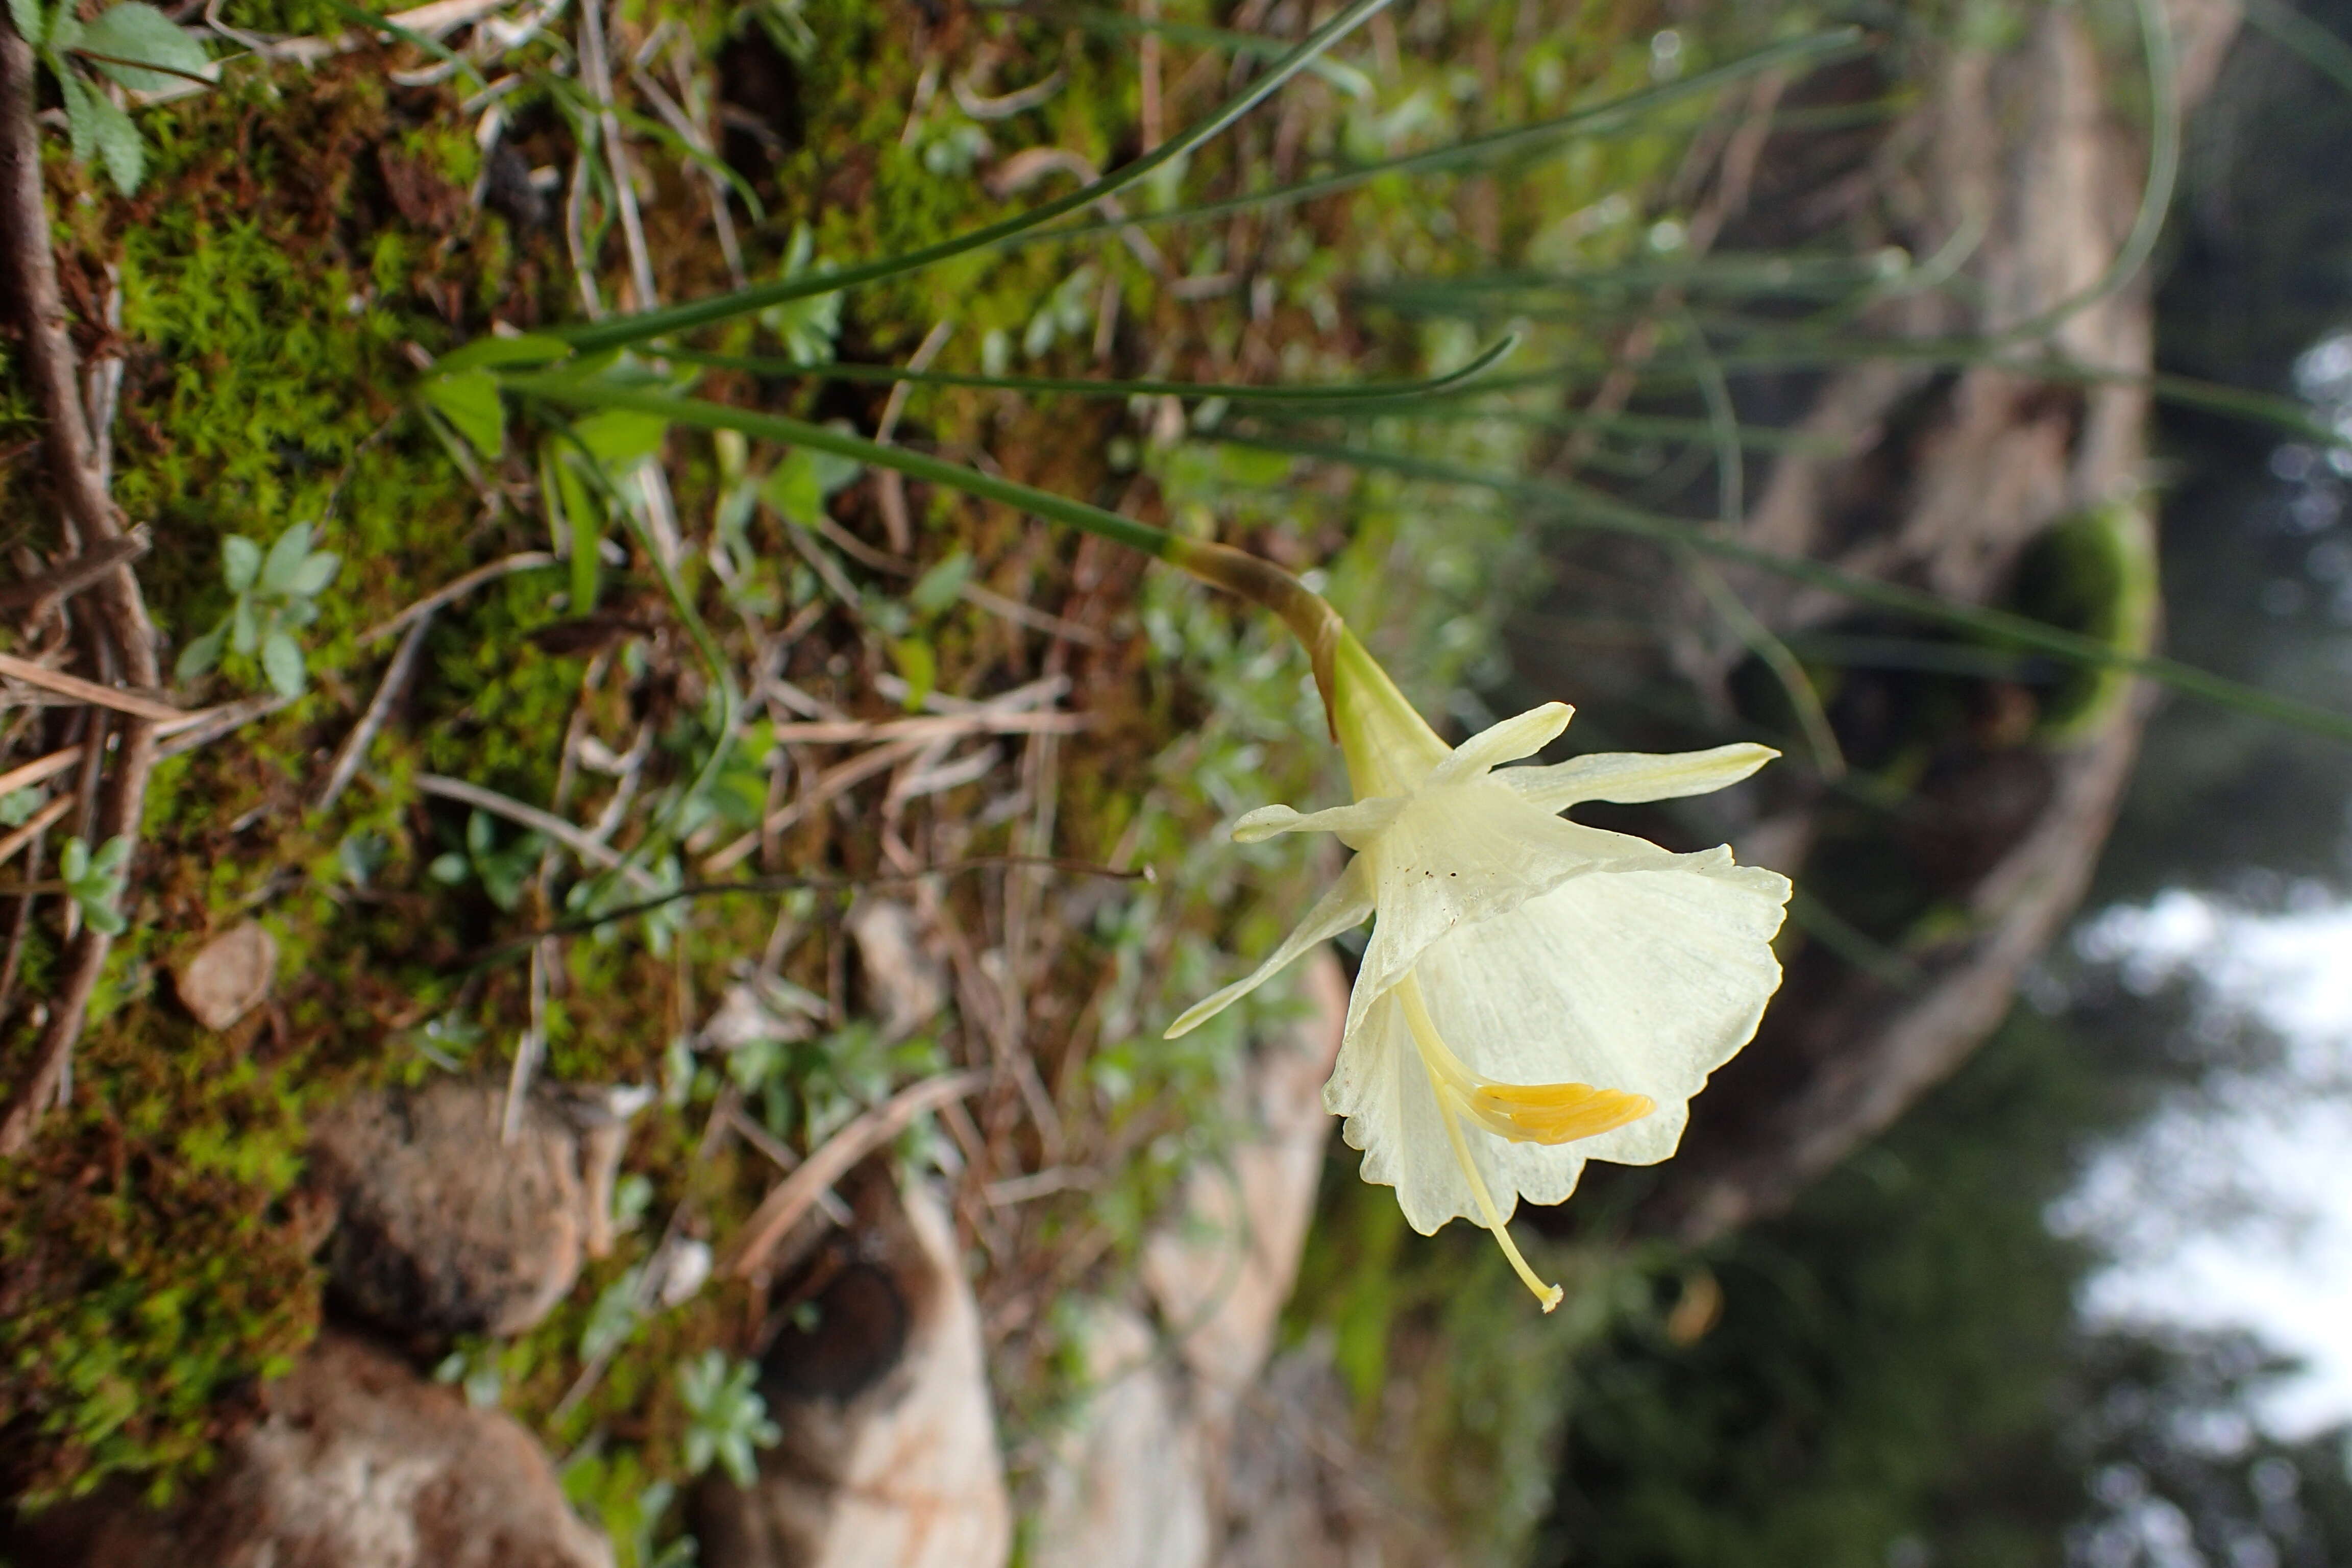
1536	993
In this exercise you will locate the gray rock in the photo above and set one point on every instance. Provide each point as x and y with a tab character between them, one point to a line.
229	976
889	1455
1142	1475
357	1463
446	1229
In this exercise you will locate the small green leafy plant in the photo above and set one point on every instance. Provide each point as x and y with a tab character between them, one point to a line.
95	882
806	326
1068	311
277	594
729	1418
505	870
133	44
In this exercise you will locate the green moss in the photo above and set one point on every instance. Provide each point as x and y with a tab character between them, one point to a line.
157	1269
2093	573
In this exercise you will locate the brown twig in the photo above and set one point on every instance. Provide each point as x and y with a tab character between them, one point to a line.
1029	615
41	821
68	578
889	485
798	1192
185	733
388	692
20	921
91	523
821	791
136	703
592	850
930	727
748	1128
451	593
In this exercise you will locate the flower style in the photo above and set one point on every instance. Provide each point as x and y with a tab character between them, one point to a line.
1536	993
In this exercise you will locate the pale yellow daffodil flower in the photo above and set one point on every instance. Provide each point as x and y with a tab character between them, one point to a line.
1536	993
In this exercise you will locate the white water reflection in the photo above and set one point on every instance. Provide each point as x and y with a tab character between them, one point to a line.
2235	1209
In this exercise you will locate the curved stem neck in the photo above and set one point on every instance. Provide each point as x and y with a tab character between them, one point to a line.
1313	621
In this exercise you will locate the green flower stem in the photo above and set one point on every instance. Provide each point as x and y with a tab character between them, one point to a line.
1317	624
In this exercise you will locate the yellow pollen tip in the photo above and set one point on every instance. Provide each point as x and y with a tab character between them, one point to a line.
1556	1113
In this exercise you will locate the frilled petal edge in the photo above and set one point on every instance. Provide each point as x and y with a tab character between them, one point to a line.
1346	904
1645	981
1394	1116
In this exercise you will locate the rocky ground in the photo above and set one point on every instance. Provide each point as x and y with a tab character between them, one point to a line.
421	1191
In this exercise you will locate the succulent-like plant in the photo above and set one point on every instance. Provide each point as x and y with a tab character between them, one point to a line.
729	1418
94	881
275	596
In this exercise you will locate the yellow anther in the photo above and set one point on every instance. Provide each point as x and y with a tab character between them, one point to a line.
1555	1113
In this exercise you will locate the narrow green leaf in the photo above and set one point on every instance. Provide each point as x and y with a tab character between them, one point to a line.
1568	505
1486	360
1815	49
527	348
2322	50
696	413
469	400
1577	506
25	16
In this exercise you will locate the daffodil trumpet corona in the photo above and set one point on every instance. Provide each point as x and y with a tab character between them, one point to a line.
1536	993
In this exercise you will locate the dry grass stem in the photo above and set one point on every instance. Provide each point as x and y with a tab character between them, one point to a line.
796	1193
40	823
594	851
89	691
441	598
